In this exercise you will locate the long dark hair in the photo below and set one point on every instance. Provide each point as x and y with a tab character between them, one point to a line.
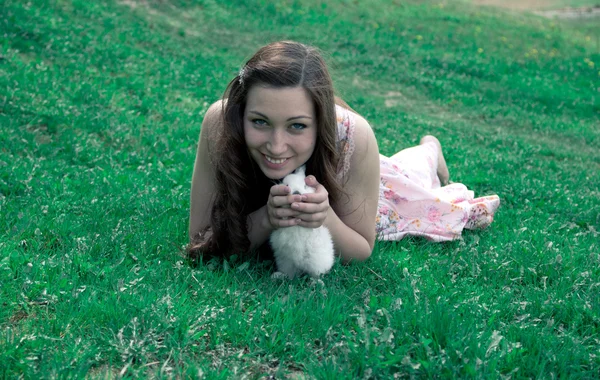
241	187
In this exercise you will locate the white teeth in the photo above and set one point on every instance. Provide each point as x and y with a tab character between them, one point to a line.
274	160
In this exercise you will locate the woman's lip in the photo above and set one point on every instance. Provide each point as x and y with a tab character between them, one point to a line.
273	165
275	158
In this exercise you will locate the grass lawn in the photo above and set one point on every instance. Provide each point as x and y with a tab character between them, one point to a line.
538	4
100	108
572	3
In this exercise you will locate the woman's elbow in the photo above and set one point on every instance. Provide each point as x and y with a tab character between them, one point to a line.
358	256
363	257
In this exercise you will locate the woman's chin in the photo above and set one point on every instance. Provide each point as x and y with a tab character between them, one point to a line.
275	174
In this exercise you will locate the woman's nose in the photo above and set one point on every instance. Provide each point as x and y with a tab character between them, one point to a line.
277	143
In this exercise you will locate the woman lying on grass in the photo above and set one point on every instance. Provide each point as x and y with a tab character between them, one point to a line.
279	113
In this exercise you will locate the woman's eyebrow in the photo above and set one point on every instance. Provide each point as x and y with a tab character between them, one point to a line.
291	118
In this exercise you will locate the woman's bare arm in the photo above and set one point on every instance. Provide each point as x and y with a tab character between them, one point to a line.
203	178
352	221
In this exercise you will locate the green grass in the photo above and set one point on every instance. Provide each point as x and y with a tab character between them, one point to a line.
100	110
540	5
574	3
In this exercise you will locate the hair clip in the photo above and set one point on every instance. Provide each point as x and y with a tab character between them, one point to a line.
241	75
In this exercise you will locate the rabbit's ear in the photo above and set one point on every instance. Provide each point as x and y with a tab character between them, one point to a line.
300	170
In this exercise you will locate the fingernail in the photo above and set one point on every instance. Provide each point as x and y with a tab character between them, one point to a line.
294	205
303	198
298	221
298	198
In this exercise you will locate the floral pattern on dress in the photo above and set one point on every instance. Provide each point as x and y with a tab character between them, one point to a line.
412	202
411	199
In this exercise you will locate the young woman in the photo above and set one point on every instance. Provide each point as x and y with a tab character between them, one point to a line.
279	113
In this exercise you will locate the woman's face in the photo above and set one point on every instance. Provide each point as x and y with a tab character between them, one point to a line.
280	128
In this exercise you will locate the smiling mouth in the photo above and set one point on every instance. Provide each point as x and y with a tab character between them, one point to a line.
275	160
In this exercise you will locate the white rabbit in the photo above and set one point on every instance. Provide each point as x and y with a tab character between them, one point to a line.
299	249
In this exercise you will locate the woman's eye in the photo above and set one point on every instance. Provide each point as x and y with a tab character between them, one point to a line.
298	126
259	122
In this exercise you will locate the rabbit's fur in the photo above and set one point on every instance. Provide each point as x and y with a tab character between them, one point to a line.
299	249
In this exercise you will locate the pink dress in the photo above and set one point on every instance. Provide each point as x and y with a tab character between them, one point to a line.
411	200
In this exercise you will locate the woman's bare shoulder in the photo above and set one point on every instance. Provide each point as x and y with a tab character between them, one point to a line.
213	120
360	123
203	178
364	139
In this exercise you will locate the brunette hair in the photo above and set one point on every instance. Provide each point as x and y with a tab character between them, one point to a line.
241	187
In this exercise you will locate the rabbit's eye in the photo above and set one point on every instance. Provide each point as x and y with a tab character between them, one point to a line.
296	192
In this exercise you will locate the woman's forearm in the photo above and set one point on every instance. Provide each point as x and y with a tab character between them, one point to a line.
350	245
259	227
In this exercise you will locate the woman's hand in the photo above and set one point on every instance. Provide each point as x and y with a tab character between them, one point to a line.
306	210
279	212
313	209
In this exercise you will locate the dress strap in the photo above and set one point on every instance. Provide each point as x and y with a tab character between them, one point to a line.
345	138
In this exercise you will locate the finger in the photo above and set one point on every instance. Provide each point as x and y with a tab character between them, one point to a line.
316	197
310	218
278	190
279	201
284	213
310	208
285	201
282	223
320	194
311	181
